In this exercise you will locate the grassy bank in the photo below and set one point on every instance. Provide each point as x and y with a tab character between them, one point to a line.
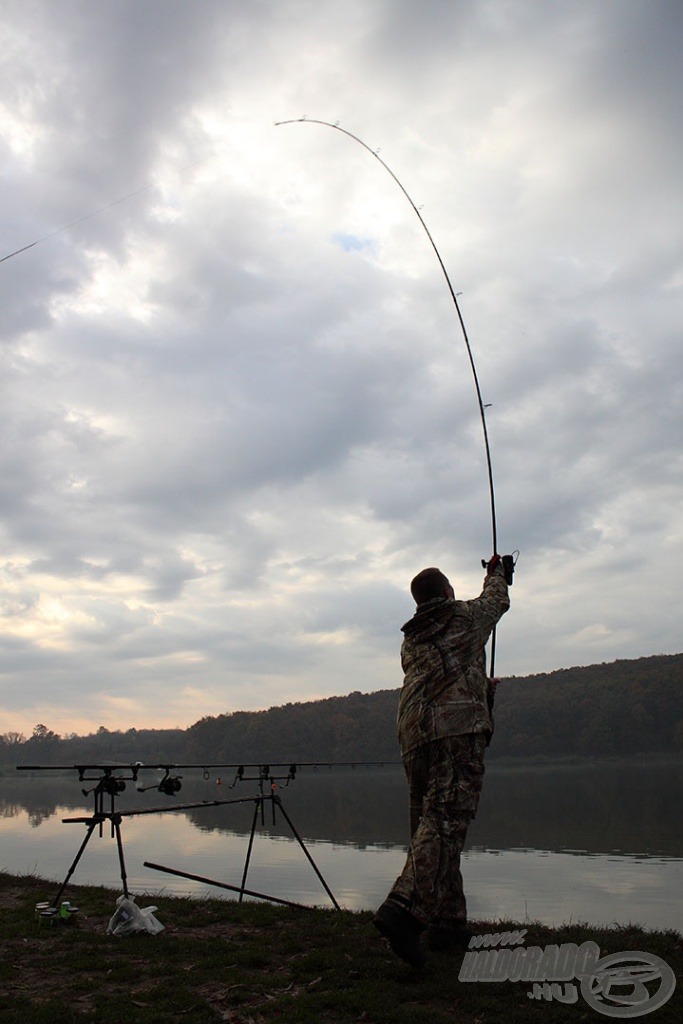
255	962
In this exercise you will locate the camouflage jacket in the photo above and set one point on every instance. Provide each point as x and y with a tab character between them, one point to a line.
445	691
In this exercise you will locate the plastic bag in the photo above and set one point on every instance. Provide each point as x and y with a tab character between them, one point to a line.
130	919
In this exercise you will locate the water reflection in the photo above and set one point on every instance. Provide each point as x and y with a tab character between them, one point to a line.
629	807
632	808
589	842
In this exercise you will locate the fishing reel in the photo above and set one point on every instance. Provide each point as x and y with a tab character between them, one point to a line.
108	783
170	784
111	785
507	561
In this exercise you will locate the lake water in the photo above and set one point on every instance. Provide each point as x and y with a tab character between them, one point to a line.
595	843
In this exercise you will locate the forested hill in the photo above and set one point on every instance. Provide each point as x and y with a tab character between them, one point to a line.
626	707
621	708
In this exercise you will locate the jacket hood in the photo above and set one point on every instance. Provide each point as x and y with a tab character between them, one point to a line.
429	619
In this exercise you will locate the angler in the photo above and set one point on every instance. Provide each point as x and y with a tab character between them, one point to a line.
444	717
444	726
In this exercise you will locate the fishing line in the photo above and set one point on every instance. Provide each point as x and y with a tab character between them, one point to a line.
482	407
95	213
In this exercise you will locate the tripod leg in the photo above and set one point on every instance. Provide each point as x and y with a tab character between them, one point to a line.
116	821
301	843
249	848
91	828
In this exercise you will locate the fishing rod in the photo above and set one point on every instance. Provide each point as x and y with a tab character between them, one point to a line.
480	400
138	766
112	778
111	782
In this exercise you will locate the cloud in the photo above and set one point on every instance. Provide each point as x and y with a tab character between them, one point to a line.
238	413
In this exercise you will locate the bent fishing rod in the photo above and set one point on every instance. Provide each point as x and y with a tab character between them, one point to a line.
475	375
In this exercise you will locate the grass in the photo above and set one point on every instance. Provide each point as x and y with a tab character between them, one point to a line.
257	963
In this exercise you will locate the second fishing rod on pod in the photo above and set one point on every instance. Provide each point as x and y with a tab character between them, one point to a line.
510	560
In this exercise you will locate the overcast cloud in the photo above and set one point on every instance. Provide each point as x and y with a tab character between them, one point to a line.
237	410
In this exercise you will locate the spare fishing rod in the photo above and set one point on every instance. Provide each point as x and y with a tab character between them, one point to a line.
111	782
470	355
135	767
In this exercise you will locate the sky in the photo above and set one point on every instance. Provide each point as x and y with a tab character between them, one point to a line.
238	414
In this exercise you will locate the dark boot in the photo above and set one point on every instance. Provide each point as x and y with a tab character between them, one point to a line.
402	930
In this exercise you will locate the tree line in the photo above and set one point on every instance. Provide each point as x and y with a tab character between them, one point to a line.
613	709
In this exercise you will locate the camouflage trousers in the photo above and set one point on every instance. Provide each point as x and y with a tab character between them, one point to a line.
444	779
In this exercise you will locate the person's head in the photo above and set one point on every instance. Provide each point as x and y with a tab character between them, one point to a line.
430	583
